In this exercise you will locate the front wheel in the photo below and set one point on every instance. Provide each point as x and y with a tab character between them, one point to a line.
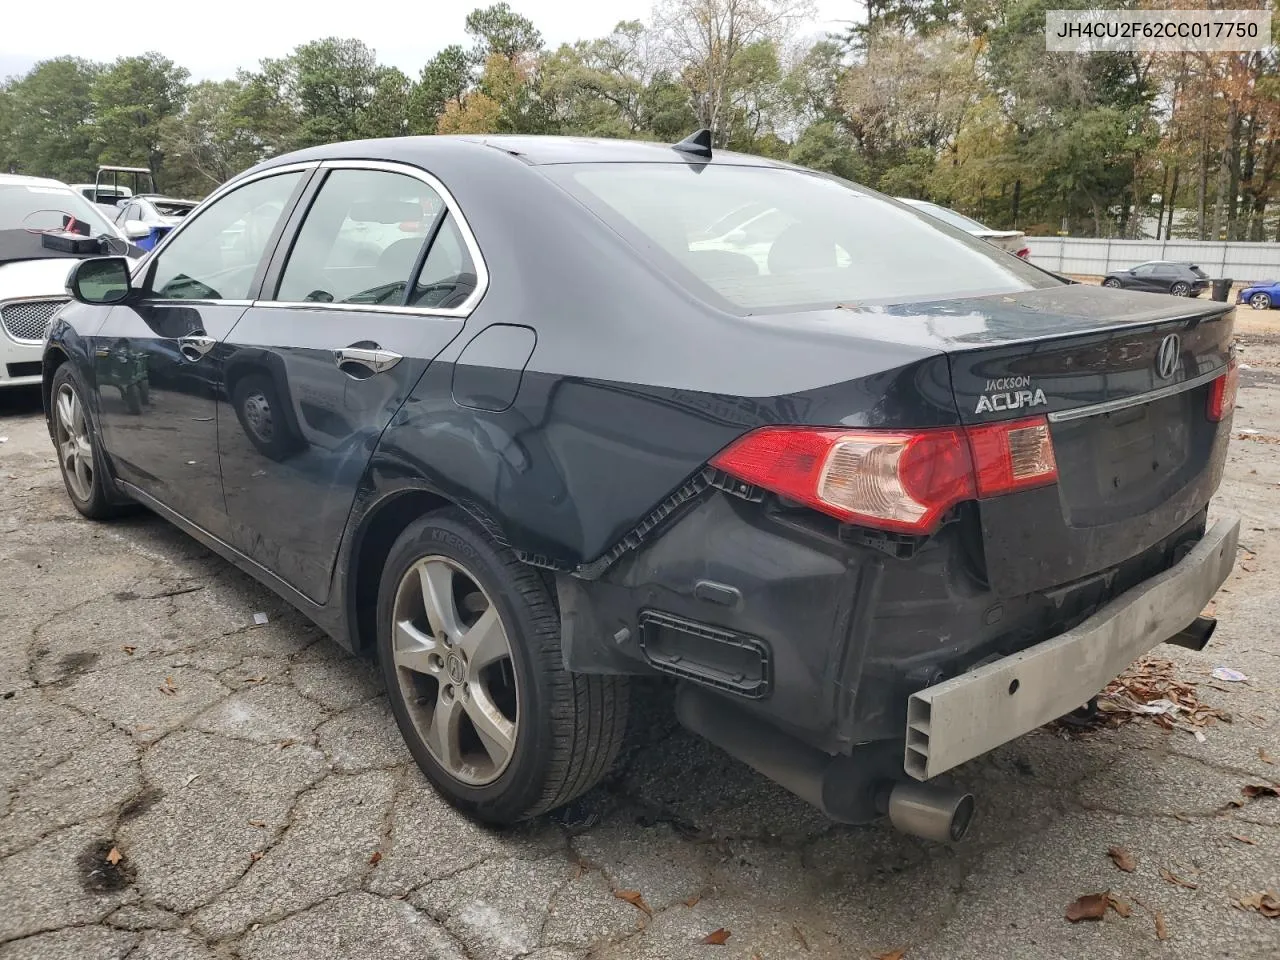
74	439
1181	289
1111	282
1260	301
469	646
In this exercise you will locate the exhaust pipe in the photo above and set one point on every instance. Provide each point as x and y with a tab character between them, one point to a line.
1196	635
848	789
933	812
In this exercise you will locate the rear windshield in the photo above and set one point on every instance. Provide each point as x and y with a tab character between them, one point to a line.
173	208
769	240
39	208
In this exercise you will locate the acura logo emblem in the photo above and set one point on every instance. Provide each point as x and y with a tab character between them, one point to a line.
1167	356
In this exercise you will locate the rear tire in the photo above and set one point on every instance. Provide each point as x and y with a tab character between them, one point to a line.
1181	289
554	734
76	444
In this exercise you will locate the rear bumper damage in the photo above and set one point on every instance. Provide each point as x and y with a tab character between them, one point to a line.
961	718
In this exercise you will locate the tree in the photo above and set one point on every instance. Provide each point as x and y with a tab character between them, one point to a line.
499	29
444	80
704	42
52	115
134	97
220	132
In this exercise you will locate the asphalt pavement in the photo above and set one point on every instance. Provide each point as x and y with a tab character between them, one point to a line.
184	784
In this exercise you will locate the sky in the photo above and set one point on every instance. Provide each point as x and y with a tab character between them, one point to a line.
213	39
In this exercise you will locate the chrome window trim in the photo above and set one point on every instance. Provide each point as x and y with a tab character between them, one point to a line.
1110	406
463	310
144	263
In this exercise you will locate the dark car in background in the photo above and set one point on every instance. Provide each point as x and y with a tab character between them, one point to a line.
1161	276
527	417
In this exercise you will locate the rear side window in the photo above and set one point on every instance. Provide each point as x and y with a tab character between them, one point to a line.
360	239
449	275
766	239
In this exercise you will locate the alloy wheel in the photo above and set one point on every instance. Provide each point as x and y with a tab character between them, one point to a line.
1112	282
1181	289
75	449
1260	301
453	663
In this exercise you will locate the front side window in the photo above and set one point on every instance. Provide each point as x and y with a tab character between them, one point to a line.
1144	270
769	240
361	239
217	254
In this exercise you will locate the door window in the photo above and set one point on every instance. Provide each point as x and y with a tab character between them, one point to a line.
217	254
448	276
360	239
1145	270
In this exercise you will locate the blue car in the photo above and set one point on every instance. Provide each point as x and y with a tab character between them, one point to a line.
1262	295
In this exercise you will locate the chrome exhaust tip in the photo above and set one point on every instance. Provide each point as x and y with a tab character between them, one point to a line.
932	812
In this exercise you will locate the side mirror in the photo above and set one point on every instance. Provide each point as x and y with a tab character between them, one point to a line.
136	229
102	280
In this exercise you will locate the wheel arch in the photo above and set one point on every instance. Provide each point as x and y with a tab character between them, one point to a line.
54	357
376	532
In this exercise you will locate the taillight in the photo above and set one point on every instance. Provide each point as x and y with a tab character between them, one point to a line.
1025	253
1222	392
1012	456
892	480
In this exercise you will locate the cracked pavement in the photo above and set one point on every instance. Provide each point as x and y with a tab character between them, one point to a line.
254	784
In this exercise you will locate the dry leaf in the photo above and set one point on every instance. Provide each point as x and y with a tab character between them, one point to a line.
1177	881
255	856
1264	756
286	744
891	955
716	937
260	824
129	650
635	898
114	856
1243	839
1123	859
1119	904
1091	906
692	901
375	857
1162	929
1254	790
1264	902
800	936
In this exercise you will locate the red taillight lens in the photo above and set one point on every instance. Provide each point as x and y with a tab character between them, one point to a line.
1012	456
893	480
1025	253
1222	392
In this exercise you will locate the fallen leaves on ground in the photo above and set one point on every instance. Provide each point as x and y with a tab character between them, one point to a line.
114	857
716	937
374	858
1169	877
1092	906
1254	790
168	687
1162	929
1119	904
1244	839
128	649
256	856
260	824
692	901
1122	858
286	744
1264	756
1149	688
1265	902
891	955
635	898
800	935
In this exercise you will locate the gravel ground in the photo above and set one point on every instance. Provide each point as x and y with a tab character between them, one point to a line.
255	789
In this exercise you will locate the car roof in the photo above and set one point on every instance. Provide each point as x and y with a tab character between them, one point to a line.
161	196
535	150
18	180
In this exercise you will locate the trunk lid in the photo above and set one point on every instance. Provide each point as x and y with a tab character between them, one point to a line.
1124	379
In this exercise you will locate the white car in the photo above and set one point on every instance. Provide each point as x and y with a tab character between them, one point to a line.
1015	241
37	251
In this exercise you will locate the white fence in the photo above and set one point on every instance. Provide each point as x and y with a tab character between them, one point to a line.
1240	261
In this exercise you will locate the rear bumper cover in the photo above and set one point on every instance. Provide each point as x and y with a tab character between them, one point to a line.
966	716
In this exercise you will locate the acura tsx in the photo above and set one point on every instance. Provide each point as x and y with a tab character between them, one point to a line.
525	417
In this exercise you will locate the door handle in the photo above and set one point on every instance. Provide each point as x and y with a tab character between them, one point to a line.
196	346
361	362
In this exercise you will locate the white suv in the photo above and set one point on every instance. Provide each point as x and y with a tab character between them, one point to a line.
37	251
